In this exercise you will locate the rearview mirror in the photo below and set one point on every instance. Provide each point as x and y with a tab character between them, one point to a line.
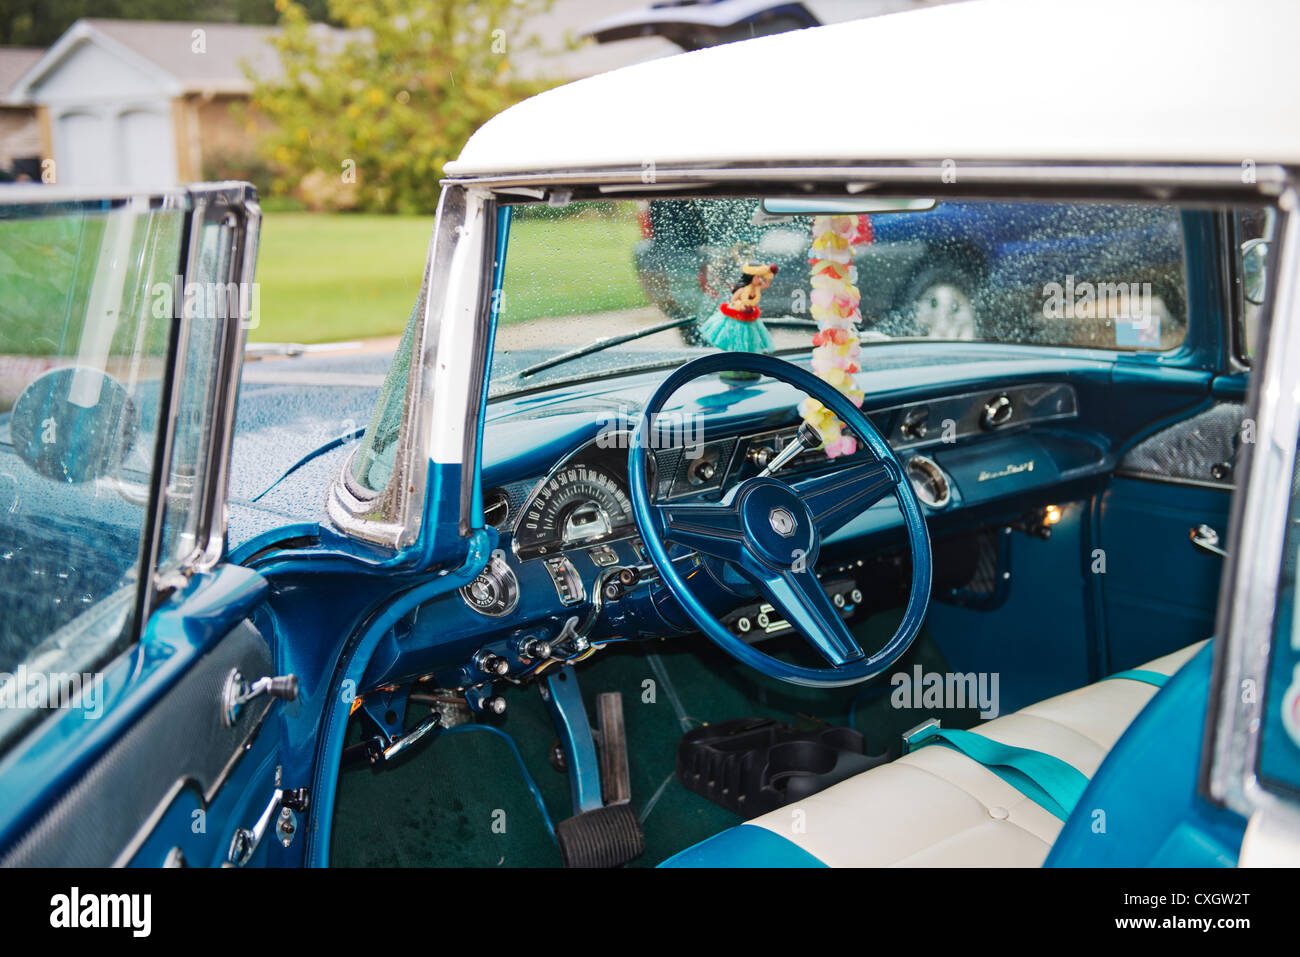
776	208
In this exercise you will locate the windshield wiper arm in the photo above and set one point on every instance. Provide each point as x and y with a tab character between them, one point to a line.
608	342
600	345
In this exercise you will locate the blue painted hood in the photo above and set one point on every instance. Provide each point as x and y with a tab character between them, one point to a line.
292	412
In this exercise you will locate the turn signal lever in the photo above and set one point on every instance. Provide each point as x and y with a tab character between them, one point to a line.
806	438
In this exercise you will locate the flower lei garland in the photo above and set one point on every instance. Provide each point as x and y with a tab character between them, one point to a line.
834	306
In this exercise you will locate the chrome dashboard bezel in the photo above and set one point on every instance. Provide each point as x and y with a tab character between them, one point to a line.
614	536
936	470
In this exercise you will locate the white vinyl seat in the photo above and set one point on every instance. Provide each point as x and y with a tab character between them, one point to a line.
935	807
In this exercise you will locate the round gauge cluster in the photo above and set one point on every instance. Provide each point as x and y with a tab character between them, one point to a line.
577	505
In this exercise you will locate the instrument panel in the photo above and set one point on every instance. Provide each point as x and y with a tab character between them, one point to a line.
584	500
579	504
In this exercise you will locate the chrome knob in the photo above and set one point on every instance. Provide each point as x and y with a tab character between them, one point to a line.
996	412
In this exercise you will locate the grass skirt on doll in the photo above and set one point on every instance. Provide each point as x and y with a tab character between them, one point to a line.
736	335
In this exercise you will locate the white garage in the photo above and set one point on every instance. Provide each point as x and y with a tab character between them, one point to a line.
120	101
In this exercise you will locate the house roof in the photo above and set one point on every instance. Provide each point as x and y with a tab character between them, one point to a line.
1214	81
169	46
14	62
167	50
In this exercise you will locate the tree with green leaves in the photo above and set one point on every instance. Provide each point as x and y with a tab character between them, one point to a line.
41	22
366	118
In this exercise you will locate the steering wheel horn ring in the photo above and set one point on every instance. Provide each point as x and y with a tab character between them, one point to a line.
770	531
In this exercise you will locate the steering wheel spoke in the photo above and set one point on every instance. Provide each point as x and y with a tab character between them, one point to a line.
836	498
798	595
712	529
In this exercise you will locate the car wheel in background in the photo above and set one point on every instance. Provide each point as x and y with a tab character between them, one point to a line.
940	303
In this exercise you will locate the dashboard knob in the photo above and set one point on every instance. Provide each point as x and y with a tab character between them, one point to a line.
491	664
701	472
997	412
535	649
496	705
915	424
495	591
760	455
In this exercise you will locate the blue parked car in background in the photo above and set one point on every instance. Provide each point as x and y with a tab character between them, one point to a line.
951	269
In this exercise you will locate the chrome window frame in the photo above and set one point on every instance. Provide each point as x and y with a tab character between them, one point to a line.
442	430
1249	589
458	274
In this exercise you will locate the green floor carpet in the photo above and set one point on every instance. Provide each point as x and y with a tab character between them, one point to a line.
460	800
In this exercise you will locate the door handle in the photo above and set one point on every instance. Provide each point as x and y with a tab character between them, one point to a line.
1206	539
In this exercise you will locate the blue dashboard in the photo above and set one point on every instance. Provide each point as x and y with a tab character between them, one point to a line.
984	434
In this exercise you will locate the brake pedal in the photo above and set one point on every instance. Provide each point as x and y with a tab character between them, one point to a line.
604	830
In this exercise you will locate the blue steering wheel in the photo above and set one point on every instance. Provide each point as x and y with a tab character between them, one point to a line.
770	532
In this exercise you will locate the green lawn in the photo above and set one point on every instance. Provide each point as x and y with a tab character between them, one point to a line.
325	277
571	266
330	277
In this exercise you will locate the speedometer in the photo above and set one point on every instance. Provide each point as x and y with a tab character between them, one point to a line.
577	505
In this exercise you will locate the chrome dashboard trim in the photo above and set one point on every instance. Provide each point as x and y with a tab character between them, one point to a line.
537	487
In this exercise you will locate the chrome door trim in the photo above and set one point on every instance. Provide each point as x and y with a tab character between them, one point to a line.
1248	593
237	204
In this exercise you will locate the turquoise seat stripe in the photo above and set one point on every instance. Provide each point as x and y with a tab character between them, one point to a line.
747	845
1139	674
1043	778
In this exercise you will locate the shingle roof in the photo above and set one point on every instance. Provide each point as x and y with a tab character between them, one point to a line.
217	69
14	62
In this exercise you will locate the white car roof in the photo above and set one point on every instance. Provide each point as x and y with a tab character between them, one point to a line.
1214	81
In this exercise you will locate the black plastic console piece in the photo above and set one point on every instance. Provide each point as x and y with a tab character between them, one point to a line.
754	765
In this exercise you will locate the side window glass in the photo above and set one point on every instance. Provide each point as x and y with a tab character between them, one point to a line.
82	357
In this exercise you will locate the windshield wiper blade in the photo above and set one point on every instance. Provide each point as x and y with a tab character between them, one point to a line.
600	345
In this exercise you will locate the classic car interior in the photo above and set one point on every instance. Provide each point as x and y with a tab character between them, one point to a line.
1054	485
735	512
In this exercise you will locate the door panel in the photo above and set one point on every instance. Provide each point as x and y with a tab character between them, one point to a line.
121	341
1160	592
180	743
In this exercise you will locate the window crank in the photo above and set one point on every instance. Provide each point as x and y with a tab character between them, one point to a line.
239	692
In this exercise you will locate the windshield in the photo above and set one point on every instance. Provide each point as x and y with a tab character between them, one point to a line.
666	280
